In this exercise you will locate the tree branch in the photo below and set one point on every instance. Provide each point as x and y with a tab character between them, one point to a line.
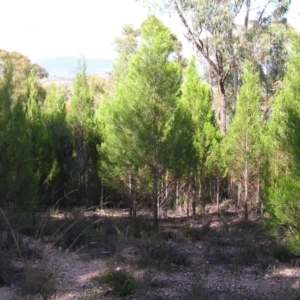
231	66
263	11
199	44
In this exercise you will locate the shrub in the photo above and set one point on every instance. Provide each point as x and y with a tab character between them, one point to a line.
122	283
38	280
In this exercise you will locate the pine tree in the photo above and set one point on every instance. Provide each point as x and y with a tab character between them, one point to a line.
242	142
82	122
54	115
17	180
41	150
284	154
140	115
203	131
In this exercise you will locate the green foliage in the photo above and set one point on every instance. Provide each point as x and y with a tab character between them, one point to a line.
41	149
54	115
123	283
84	161
225	44
38	281
284	205
194	136
284	154
21	69
242	142
82	104
197	100
17	180
138	119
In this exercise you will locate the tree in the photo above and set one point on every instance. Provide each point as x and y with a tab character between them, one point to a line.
242	142
212	28
282	201
17	179
84	170
142	109
54	116
41	150
97	86
22	67
199	134
126	45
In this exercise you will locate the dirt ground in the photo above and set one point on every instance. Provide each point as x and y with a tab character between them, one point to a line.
223	265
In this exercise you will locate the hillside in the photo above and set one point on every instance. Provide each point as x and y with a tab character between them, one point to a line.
66	67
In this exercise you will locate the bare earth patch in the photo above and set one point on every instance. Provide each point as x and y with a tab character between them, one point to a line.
222	266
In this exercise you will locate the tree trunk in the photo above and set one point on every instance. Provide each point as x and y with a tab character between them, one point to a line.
155	202
101	194
188	205
246	191
194	209
218	195
222	111
239	193
177	195
236	82
133	216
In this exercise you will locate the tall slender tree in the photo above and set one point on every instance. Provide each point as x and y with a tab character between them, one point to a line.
41	151
54	115
144	104
17	179
282	200
203	129
242	142
82	122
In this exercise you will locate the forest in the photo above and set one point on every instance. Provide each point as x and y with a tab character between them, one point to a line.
160	134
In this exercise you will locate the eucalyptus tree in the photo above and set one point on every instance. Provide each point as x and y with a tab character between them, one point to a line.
242	143
140	115
22	67
227	32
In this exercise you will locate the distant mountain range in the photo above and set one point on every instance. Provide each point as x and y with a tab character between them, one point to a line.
66	67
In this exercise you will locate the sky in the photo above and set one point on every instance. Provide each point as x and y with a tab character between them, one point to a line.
48	28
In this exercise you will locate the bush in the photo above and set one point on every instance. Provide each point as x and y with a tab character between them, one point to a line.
38	281
122	283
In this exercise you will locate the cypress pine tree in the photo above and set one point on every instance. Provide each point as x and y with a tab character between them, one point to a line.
284	154
17	179
82	122
54	115
202	161
41	150
140	115
242	142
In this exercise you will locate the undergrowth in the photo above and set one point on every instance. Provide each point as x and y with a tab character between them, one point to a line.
122	282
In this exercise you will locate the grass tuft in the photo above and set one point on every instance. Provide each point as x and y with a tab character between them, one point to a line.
122	282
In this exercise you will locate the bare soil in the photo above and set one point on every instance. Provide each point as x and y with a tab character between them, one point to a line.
229	259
